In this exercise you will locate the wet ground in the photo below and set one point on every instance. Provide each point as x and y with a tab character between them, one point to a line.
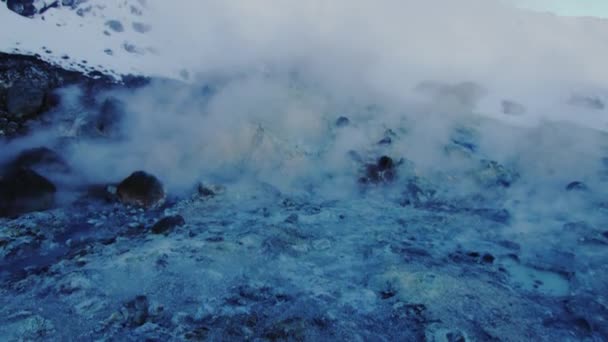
252	263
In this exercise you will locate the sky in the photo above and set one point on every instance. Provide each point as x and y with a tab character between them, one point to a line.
593	8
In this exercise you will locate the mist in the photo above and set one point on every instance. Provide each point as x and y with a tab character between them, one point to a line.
261	87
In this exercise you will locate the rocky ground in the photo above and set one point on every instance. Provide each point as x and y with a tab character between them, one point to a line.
406	258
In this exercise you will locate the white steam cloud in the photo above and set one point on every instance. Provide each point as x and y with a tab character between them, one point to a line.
282	72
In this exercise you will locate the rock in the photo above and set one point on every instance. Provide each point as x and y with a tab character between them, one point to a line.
115	25
463	95
26	88
385	141
382	172
24	100
512	108
141	189
23	191
104	192
293	219
388	137
464	138
342	121
496	215
40	157
491	173
588	102
487	258
576	186
418	192
204	191
165	225
107	122
25	8
137	311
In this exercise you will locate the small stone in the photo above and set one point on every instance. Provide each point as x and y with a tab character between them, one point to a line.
576	186
115	25
141	189
293	219
385	141
205	191
168	223
487	258
342	121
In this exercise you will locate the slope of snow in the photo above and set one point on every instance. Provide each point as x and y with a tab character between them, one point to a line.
387	48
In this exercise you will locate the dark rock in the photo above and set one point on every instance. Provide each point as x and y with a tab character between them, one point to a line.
465	138
512	108
25	8
490	173
27	87
293	219
111	113
487	258
342	121
103	192
496	215
388	137
587	314
137	311
385	141
463	95
24	100
455	336
23	191
141	27
141	189
204	191
383	171
418	192
588	102
40	157
115	25
510	245
576	186
165	225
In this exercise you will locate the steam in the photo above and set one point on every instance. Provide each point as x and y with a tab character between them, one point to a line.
266	82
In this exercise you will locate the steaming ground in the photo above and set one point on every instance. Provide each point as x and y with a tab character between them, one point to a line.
487	231
391	171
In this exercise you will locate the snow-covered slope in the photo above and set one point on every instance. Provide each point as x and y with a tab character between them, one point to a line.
543	62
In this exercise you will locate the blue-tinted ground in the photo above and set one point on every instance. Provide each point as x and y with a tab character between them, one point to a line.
478	238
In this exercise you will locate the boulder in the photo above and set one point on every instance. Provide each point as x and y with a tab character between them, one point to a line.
166	224
141	189
24	190
383	171
25	8
27	87
24	100
39	158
